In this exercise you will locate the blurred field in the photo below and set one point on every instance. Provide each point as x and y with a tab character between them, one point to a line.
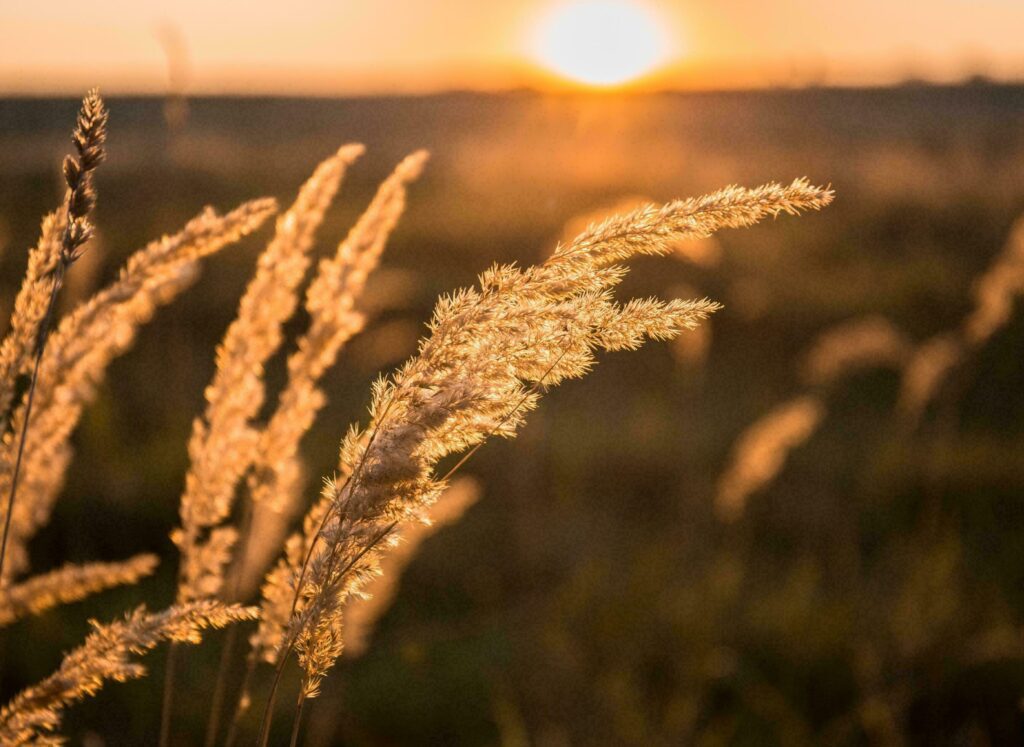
873	594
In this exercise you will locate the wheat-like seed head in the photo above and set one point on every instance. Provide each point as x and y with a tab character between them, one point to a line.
331	302
762	450
69	583
996	290
88	138
81	348
63	234
278	589
30	306
927	370
223	442
108	653
274	482
934	361
652	229
489	355
861	343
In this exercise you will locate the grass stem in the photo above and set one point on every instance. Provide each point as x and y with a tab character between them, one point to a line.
44	333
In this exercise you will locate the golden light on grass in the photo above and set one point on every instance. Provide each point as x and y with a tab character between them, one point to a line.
491	352
600	43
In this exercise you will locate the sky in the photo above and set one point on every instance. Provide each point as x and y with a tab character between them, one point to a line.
380	46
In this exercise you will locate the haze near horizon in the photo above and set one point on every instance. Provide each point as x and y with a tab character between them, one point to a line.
325	48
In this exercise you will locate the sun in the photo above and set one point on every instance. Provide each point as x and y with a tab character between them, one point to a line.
600	42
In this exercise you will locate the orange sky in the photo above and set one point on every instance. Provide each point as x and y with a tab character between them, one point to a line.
344	46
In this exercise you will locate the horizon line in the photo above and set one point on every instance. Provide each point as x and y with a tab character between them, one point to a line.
976	80
970	81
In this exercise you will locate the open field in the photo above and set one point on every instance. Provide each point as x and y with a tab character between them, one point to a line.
592	595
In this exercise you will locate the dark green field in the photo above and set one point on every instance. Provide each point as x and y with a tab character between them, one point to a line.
874	594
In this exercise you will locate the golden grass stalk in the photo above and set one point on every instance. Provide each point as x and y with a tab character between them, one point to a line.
489	354
88	138
84	344
108	653
274	481
927	370
30	307
995	293
70	583
703	251
223	441
996	290
161	262
331	302
654	230
461	389
762	450
855	345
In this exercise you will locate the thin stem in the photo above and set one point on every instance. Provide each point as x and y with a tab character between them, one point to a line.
44	334
297	726
168	699
220	687
290	642
286	649
169	673
244	699
272	697
213	722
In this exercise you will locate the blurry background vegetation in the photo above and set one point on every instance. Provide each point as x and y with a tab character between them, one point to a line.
873	594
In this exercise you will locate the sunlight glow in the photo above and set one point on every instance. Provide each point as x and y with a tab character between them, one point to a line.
600	42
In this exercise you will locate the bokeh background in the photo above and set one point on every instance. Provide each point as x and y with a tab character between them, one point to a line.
872	594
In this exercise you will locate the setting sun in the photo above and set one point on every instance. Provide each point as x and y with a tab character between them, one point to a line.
600	42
